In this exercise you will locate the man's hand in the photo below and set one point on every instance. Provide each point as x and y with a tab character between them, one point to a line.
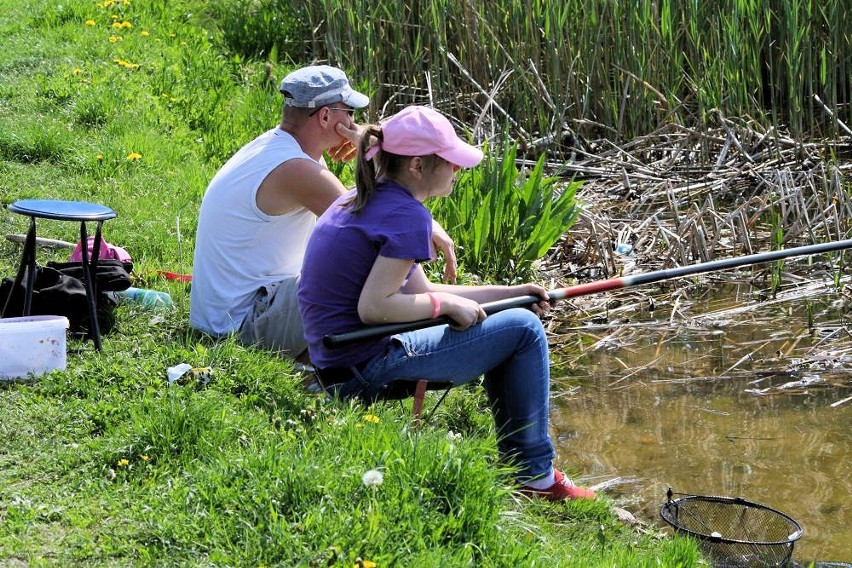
444	244
350	138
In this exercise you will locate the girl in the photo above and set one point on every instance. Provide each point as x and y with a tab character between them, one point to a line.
362	267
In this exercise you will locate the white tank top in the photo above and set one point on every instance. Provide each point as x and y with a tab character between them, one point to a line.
238	247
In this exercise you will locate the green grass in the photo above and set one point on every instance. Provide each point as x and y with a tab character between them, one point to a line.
104	464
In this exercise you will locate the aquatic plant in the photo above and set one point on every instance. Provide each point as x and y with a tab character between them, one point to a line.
504	218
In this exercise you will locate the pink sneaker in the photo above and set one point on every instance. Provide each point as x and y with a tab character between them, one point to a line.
561	490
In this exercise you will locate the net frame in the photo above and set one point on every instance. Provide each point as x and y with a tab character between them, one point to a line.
732	531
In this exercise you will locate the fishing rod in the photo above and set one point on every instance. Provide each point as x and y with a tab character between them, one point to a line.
376	331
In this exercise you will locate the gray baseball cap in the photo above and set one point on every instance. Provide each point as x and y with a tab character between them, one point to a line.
320	85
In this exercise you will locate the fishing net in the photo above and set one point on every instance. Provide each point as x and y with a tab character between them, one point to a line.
734	532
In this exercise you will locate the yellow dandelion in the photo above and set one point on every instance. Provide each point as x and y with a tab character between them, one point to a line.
76	71
90	22
144	33
123	463
134	156
125	64
99	157
114	16
372	418
126	24
364	563
144	457
116	24
126	2
114	38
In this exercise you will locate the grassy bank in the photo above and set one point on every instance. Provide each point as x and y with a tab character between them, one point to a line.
135	105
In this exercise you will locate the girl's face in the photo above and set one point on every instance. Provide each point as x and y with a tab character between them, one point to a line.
441	178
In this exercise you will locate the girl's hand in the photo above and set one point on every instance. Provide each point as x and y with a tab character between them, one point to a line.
444	244
539	308
462	311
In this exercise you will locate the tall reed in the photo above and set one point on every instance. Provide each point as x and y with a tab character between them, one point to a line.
595	67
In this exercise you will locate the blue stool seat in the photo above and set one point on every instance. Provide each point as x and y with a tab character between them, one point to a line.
81	212
62	210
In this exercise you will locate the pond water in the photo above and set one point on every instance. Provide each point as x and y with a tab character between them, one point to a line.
716	395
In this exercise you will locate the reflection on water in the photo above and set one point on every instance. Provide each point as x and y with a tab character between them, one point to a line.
740	406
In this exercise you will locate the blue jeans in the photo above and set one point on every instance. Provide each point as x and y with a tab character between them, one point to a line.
509	348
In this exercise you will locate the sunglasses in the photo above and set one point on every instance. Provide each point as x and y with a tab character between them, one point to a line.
349	111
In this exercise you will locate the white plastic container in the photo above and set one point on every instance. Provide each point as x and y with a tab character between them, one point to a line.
32	344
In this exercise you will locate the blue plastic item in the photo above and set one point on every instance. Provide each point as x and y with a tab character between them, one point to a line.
151	299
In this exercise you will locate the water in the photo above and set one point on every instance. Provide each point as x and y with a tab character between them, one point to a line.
738	404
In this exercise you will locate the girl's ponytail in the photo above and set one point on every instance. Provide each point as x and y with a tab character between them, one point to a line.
370	166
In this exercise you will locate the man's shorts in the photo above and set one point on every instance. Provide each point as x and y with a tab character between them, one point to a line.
274	322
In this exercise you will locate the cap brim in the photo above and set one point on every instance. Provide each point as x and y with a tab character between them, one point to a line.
463	155
356	99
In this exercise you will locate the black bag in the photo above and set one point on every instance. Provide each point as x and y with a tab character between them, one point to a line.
112	275
58	290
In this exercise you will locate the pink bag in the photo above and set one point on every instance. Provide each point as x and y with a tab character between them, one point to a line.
106	251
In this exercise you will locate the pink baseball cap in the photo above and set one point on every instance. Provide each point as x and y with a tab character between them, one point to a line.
422	131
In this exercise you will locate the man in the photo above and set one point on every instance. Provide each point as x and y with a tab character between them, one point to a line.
260	208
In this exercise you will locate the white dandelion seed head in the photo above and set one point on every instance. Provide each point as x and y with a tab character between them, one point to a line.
372	478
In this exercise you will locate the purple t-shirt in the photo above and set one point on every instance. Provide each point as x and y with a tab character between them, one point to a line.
340	255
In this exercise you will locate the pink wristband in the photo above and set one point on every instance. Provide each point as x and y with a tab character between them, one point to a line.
436	304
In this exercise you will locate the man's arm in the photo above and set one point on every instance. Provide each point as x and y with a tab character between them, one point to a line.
298	183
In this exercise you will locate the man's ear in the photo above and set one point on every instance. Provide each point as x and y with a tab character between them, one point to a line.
324	115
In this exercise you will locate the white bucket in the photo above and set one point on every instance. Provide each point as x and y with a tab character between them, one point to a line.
32	344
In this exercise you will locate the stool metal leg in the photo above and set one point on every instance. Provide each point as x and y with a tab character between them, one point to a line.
31	268
27	265
437	404
89	281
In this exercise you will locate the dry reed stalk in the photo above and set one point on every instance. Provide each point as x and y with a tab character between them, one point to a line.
728	201
841	402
